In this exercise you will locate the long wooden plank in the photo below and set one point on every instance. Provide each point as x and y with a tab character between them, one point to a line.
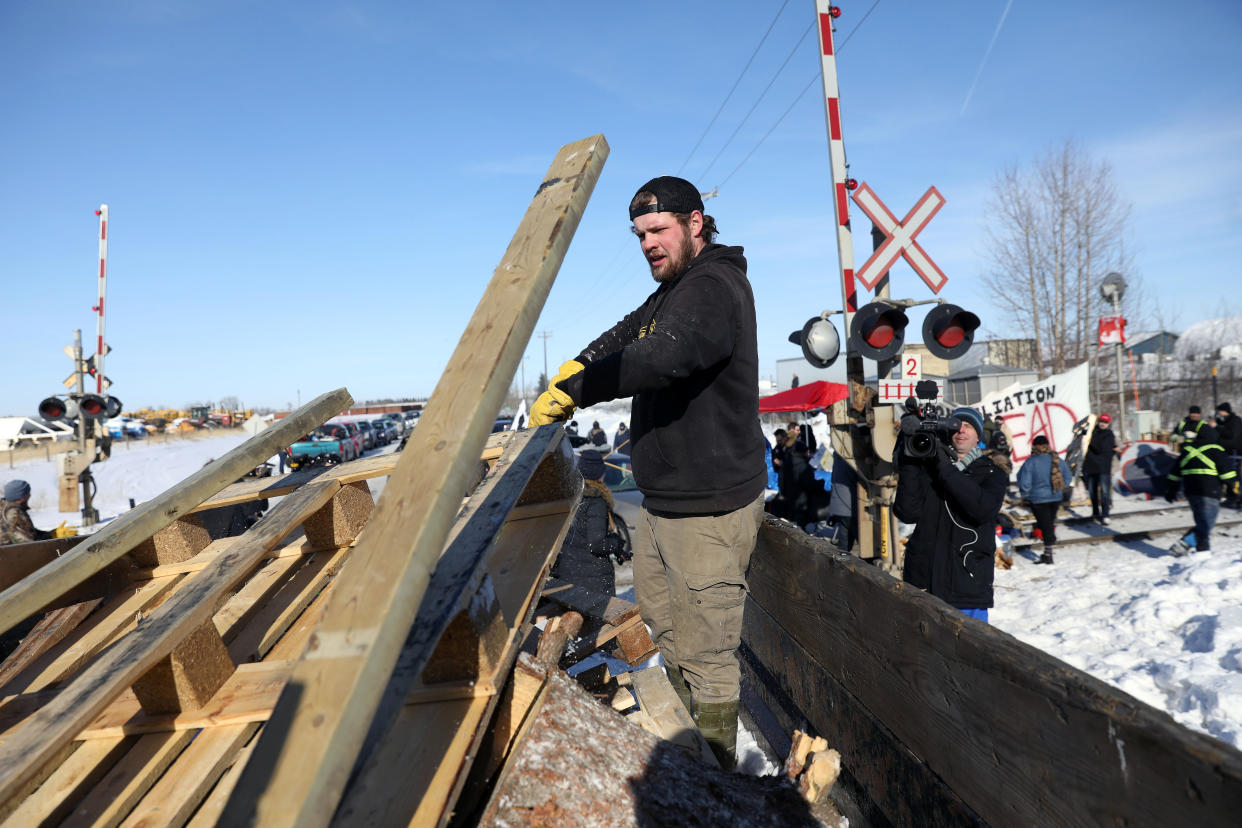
187	782
119	536
417	769
57	722
50	631
68	783
364	468
304	755
671	718
128	780
469	558
210	812
981	708
111	621
270	623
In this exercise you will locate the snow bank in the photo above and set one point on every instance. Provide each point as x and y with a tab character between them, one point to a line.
1204	340
1166	630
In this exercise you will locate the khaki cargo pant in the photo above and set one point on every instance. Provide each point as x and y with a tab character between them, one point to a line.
690	585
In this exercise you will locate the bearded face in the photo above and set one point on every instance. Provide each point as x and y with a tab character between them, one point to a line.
668	245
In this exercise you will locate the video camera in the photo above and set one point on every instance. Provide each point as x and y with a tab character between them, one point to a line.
922	428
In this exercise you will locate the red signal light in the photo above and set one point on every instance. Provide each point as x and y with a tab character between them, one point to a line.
92	406
878	330
949	331
835	11
52	409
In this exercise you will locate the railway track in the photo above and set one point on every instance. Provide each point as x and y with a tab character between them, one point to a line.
1127	527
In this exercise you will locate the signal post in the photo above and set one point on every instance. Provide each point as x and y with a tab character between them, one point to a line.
863	430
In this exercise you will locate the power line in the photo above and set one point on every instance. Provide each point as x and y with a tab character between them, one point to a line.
799	97
734	89
762	95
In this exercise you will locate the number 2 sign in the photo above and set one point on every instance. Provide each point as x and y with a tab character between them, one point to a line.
911	367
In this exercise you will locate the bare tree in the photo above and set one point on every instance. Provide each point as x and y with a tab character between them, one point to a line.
1055	232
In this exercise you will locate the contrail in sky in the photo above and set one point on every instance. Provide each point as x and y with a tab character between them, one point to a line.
984	62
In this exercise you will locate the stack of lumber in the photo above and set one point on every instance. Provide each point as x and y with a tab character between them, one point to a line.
341	657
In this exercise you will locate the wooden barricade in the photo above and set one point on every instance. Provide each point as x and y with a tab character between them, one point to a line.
941	719
90	749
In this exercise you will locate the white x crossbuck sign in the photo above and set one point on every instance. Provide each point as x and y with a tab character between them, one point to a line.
900	241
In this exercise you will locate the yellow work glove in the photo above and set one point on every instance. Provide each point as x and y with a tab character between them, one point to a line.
554	405
64	531
547	409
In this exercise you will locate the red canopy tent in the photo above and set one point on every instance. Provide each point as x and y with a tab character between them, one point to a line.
807	397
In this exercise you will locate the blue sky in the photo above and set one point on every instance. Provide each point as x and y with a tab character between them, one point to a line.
309	195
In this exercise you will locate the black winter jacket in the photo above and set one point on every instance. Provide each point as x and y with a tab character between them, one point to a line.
951	552
1230	433
1201	465
1099	457
689	357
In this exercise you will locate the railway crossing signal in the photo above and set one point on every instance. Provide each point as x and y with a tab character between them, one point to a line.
53	409
819	340
900	235
948	331
878	330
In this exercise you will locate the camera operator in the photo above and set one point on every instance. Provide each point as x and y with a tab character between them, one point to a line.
953	493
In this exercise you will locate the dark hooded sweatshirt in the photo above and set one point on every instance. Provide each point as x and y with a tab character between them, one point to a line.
689	357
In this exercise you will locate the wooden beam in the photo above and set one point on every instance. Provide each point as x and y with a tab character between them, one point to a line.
305	754
91	691
977	706
419	765
364	468
119	536
49	632
673	722
113	619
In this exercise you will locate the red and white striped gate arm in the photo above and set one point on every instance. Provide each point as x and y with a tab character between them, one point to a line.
836	154
102	212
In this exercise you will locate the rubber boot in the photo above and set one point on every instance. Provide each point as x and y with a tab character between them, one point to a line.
681	688
717	722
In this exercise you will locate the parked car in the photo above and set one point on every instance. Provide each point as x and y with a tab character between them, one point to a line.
330	443
398	420
121	427
368	434
411	418
389	428
356	434
502	424
382	435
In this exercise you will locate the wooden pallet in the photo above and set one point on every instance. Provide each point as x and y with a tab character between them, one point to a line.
178	678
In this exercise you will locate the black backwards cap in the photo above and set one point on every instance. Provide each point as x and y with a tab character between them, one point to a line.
673	195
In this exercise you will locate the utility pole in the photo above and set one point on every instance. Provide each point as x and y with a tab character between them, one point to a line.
1112	289
544	335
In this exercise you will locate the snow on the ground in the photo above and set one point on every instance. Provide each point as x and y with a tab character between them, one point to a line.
1166	630
138	469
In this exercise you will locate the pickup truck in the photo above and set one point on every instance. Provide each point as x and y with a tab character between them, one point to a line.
330	443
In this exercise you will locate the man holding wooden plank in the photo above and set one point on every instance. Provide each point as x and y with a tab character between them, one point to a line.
689	358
